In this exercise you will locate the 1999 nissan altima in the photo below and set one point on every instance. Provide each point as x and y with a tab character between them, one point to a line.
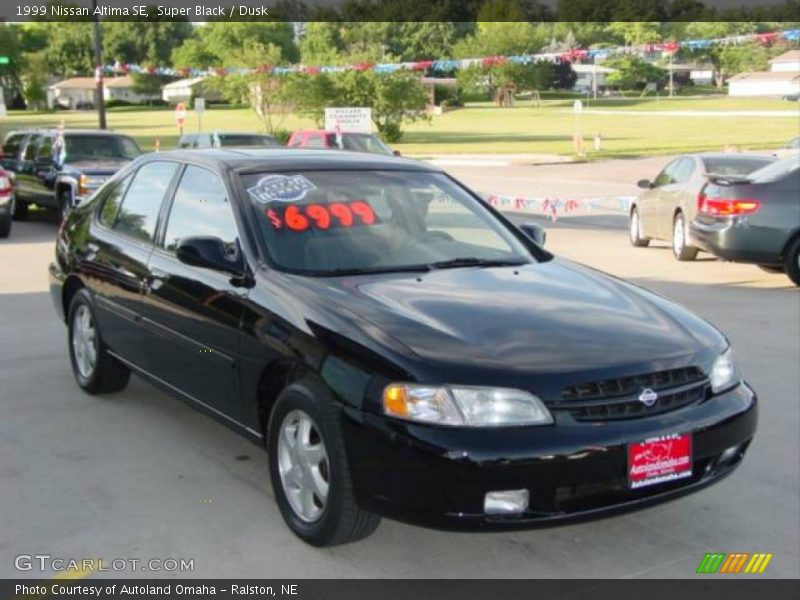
400	348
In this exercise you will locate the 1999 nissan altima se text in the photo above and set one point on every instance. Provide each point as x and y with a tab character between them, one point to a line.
399	347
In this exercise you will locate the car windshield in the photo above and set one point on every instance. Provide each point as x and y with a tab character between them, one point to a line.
360	142
345	222
98	147
735	165
245	139
776	170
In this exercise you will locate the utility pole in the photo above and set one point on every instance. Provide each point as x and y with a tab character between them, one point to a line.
100	102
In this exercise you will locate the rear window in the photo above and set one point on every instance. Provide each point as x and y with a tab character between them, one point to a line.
12	143
92	147
777	170
735	166
228	139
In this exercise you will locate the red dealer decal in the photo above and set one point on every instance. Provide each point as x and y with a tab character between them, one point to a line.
660	459
321	216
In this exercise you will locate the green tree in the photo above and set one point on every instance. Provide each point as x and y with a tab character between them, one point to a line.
501	82
148	42
632	72
635	32
321	44
214	43
69	49
501	39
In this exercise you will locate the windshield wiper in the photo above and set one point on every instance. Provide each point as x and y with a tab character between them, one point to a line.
369	270
471	261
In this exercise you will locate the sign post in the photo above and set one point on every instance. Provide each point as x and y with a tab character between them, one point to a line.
577	137
199	108
180	116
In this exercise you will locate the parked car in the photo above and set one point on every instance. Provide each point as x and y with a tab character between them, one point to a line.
6	202
669	203
58	170
355	142
226	139
755	218
398	346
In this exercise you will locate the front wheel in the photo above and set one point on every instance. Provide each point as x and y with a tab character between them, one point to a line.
95	370
635	230
792	262
679	247
309	469
64	205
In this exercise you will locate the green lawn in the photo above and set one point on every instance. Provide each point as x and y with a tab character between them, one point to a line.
483	128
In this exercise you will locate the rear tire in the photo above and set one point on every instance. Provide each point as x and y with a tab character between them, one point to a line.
635	230
792	262
331	516
95	370
20	211
679	247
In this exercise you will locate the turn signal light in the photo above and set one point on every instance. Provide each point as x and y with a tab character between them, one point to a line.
720	207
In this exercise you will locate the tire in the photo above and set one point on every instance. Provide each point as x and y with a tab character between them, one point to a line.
20	211
772	268
306	415
635	230
679	247
104	374
791	263
5	222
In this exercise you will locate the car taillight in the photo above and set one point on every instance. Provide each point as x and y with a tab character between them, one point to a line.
723	207
5	185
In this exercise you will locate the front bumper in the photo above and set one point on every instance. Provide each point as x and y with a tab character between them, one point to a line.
735	240
438	476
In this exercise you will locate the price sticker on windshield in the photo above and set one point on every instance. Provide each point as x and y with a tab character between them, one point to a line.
321	216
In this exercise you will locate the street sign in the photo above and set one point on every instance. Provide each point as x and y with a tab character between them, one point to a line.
5	60
348	119
199	105
180	114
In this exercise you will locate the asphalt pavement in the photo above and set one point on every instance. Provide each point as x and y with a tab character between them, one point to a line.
141	475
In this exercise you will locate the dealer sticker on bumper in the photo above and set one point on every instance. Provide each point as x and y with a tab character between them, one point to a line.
659	459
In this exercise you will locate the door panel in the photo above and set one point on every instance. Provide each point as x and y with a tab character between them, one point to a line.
117	256
192	315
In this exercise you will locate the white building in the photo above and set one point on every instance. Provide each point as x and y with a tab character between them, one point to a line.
783	78
588	73
121	88
78	91
786	62
183	90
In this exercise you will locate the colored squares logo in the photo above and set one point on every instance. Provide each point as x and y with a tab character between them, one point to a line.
734	563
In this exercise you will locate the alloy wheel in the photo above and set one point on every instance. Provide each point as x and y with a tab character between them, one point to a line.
303	465
84	341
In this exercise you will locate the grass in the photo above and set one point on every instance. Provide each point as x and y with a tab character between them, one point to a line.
484	128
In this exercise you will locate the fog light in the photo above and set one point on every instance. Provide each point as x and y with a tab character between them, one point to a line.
729	455
506	502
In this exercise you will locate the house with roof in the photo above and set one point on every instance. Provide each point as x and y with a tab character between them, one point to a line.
184	90
78	92
781	80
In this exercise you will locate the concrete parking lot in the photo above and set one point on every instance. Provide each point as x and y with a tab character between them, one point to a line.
141	475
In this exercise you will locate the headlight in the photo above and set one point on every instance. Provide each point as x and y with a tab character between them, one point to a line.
464	406
725	372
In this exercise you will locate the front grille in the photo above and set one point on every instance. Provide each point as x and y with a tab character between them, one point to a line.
613	399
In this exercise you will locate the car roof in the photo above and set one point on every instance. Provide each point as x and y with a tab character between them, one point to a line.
330	131
55	130
731	155
286	159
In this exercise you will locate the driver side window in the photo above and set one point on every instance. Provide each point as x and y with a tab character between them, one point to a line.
667	176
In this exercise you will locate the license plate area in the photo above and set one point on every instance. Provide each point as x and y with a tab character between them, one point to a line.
659	460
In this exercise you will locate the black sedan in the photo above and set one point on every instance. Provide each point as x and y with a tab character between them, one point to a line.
398	346
754	218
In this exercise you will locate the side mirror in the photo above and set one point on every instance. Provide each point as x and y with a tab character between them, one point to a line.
645	184
535	231
210	253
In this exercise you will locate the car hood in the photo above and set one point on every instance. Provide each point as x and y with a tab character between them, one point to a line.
544	321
